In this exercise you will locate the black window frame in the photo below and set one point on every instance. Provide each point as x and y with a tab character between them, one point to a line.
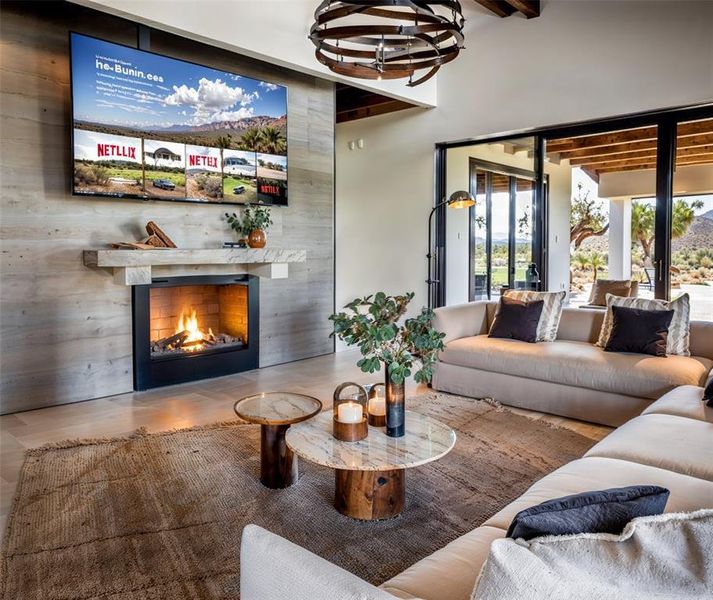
666	120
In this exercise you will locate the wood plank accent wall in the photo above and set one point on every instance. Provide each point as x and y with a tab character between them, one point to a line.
65	329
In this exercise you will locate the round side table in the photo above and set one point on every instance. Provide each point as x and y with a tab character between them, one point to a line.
275	412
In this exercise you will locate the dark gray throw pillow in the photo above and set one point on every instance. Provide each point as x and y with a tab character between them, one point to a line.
604	511
517	320
708	394
639	330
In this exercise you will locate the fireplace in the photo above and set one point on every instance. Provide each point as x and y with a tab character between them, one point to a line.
189	328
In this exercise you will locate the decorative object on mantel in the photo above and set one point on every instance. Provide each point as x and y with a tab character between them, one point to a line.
371	322
377	404
157	239
239	244
396	38
253	224
349	415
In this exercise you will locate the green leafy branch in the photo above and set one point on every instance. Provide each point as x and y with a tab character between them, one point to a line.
371	323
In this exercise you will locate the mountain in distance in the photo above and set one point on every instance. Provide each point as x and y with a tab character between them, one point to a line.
241	125
698	236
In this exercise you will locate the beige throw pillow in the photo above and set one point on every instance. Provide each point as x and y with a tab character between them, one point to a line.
615	287
678	332
551	311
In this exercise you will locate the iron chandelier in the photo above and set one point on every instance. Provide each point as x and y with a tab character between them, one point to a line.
387	39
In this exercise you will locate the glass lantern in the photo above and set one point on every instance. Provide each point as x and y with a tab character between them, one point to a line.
350	414
376	405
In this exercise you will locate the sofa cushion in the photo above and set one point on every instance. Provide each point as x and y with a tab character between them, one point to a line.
639	331
579	364
683	401
663	556
593	473
675	443
553	303
615	287
597	511
449	572
517	320
679	334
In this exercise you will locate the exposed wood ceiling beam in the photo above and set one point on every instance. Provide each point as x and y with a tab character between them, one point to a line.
627	136
593	175
643	166
499	7
684	142
529	8
648	155
630	168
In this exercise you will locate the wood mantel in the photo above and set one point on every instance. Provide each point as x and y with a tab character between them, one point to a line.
134	267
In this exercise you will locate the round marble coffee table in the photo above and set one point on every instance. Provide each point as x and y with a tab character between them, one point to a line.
370	475
275	412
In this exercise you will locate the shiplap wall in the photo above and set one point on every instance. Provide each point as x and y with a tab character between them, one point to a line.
65	329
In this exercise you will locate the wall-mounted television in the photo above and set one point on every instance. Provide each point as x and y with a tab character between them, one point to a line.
152	127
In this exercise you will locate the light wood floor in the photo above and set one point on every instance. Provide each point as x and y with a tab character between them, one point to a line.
186	405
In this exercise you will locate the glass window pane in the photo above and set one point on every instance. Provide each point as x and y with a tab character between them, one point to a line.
692	222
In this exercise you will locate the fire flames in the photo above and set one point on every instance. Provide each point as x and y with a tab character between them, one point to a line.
188	322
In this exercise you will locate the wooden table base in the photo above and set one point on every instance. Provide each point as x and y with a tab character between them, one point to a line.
370	495
279	467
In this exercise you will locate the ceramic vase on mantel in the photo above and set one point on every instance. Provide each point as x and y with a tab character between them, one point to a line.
395	407
257	238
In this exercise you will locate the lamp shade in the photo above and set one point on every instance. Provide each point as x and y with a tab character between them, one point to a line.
461	199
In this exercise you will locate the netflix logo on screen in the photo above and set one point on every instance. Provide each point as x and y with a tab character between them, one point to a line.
198	160
116	151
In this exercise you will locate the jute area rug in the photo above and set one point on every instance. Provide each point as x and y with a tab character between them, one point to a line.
159	516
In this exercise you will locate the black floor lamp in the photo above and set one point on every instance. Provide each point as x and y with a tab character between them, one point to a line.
459	199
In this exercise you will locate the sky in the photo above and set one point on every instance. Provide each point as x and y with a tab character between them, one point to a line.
153	91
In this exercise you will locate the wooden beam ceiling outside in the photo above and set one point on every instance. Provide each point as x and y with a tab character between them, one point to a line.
648	154
685	142
629	135
634	149
505	8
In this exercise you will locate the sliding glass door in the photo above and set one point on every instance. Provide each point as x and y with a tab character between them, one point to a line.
501	229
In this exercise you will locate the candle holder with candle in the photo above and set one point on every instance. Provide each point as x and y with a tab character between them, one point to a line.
350	423
377	405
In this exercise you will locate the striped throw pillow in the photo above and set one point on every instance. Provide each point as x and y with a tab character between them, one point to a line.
551	310
678	332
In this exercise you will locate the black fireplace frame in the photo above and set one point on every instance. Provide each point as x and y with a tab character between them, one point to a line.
182	368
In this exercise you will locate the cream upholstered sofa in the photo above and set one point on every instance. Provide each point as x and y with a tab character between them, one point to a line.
571	376
670	444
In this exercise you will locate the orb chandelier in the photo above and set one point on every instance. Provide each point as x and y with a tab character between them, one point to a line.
387	39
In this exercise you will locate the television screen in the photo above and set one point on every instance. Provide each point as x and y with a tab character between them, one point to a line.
151	127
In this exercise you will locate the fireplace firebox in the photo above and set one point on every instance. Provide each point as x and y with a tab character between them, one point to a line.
189	328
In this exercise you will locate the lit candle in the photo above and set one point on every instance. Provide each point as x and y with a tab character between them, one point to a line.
377	406
350	412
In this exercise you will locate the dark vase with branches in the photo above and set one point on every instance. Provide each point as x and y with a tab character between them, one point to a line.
406	348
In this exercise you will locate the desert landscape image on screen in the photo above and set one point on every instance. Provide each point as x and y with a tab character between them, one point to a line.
149	126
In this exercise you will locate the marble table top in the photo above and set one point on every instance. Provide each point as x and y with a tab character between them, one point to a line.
426	440
277	408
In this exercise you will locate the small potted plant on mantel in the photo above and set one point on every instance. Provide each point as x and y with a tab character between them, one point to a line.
410	347
252	225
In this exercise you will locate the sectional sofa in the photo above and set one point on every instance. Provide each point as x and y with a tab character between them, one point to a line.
669	444
571	376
